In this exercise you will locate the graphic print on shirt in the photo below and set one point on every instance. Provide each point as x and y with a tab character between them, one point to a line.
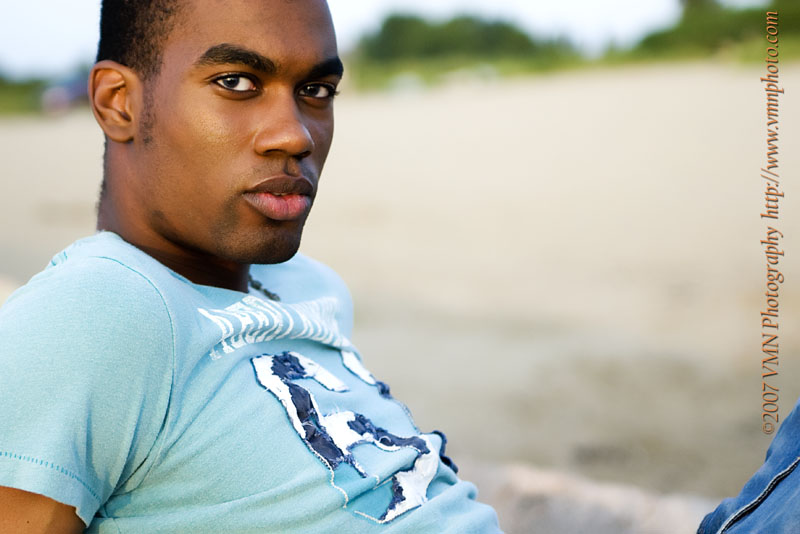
334	436
349	444
254	320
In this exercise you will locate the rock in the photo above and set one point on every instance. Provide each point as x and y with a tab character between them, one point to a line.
538	501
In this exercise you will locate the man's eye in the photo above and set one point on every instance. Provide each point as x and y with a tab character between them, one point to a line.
318	90
236	82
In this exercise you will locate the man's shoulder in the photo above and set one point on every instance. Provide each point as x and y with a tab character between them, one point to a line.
88	311
101	256
101	264
96	281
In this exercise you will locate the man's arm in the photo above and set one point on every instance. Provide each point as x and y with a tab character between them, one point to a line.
30	513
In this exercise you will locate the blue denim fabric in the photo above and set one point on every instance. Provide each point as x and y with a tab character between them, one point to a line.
769	502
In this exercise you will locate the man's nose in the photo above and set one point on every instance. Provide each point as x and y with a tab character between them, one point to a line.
283	128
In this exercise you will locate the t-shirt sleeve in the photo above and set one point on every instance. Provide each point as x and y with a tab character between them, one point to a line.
86	362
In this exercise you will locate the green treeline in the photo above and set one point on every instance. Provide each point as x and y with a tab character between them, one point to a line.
404	37
20	97
706	27
409	45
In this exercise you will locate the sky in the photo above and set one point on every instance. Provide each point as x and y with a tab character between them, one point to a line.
51	37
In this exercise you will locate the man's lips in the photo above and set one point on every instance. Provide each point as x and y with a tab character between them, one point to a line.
281	198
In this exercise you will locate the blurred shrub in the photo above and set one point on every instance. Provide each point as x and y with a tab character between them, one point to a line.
408	45
20	96
403	37
789	15
706	28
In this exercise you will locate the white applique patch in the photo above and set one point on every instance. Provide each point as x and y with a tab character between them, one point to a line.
354	365
334	435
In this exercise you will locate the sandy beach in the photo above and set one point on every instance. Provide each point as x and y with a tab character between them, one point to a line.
560	271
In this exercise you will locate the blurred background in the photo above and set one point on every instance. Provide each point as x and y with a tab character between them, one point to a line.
547	213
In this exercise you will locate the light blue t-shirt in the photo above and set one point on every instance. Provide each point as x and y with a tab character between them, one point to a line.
153	405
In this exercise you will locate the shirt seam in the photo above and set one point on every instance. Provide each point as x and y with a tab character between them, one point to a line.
747	508
55	467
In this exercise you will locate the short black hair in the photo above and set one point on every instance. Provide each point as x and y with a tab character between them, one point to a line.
133	32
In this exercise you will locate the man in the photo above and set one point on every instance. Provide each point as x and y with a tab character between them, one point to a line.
184	370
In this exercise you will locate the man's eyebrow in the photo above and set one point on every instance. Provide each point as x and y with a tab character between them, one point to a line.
224	54
330	67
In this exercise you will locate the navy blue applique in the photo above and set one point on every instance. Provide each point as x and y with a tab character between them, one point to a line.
333	436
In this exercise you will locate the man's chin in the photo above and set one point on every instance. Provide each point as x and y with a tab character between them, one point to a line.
276	249
275	256
274	242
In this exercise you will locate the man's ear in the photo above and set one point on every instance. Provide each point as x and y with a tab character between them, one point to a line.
115	93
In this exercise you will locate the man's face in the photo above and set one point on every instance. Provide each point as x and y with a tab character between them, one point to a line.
236	128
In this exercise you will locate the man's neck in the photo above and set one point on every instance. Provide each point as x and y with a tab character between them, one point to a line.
198	267
201	269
